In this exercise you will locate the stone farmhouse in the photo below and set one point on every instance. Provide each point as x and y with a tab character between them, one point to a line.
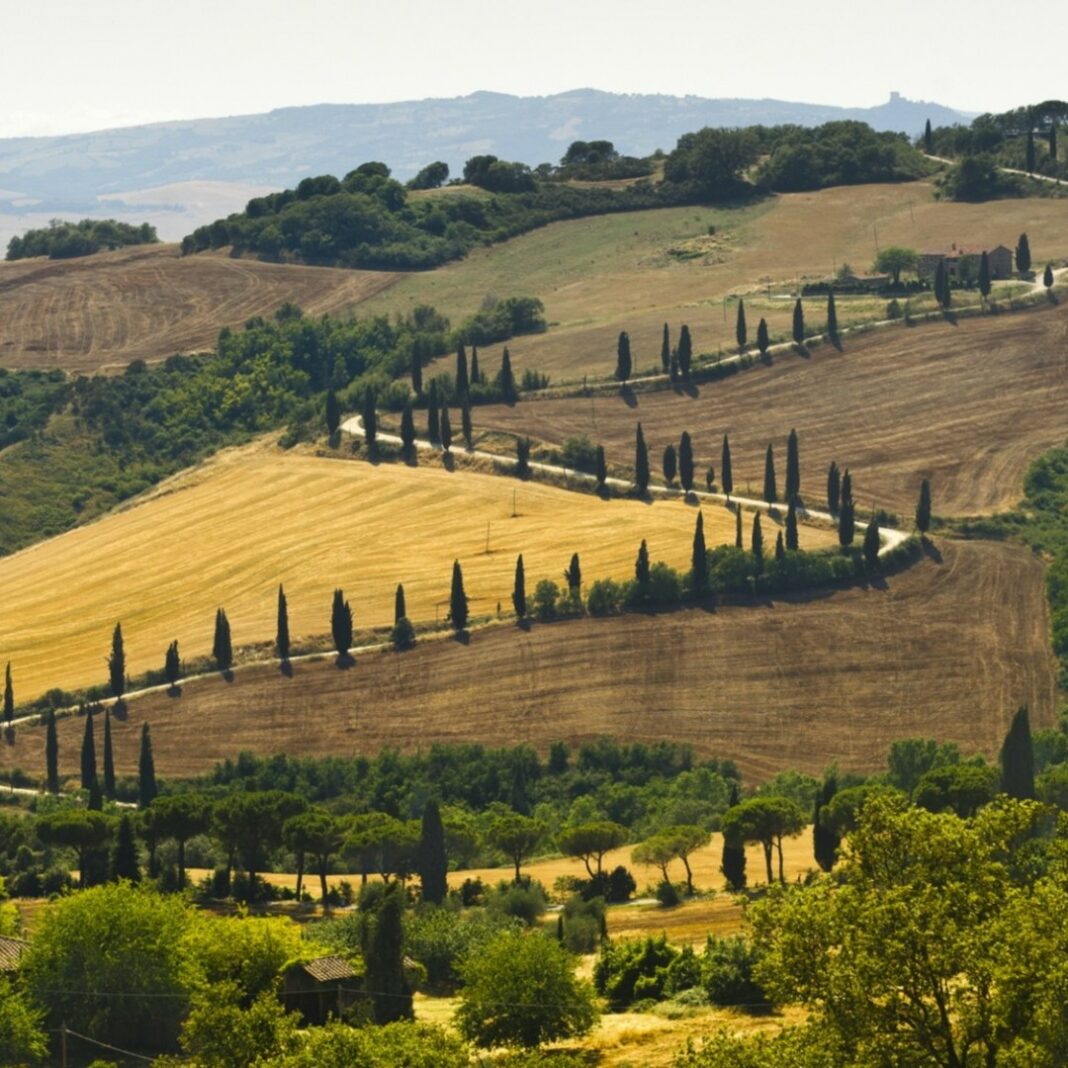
963	263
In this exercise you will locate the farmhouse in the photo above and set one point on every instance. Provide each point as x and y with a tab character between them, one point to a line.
320	988
11	950
963	263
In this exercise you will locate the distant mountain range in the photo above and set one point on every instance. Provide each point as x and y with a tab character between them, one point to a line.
181	174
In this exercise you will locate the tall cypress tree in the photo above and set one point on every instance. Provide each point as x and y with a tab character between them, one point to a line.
1023	254
573	574
1018	758
685	352
446	429
1047	277
780	547
601	467
383	955
940	284
762	337
984	275
699	560
834	488
686	462
370	421
433	413
172	665
281	637
725	468
399	608
824	839
741	332
623	360
341	625
222	647
124	864
928	139
793	468
109	758
791	527
117	664
923	508
757	544
799	323
506	380
519	590
476	374
88	754
9	696
771	493
333	413
670	464
641	463
465	421
846	496
832	317
433	862
1053	140
846	524
457	599
871	544
462	382
147	790
665	349
407	428
732	862
641	566
417	368
1030	152
51	754
738	526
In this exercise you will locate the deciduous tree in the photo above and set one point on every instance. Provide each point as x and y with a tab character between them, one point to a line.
589	842
894	259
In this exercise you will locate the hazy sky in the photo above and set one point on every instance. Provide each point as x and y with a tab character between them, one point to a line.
70	65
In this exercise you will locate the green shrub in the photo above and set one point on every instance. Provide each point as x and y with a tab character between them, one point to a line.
439	938
606	597
546	594
579	454
628	969
524	901
727	971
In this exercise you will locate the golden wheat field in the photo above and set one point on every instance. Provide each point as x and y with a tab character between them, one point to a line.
227	534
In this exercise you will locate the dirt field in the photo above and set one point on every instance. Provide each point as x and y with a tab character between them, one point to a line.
949	649
149	303
639	270
228	533
968	406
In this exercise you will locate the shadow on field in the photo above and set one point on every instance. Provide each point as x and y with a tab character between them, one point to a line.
628	395
286	668
174	691
930	550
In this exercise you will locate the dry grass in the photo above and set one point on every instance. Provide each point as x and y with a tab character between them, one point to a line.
148	303
638	270
229	533
968	406
948	649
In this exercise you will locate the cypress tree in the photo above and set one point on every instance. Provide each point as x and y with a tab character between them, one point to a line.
780	547
433	413
641	566
928	139
506	380
732	863
741	333
641	463
846	495
793	468
685	351
88	754
109	758
333	413
370	420
9	696
462	382
791	527
95	802
923	508
699	560
417	368
519	590
671	464
446	429
725	467
941	284
407	428
824	840
601	467
771	493
871	544
1053	140
383	955
522	457
1030	160
738	526
457	599
433	862
846	524
623	361
476	374
51	754
399	608
117	664
1018	758
665	349
984	275
147	790
281	638
834	488
573	574
222	648
465	421
799	323
832	317
1023	254
341	625
1047	277
757	544
686	462
762	337
124	863
172	665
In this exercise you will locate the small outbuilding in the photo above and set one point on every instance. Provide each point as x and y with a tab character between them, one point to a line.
11	951
320	988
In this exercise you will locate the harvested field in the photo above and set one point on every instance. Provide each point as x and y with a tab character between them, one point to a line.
948	649
228	533
638	270
148	303
968	406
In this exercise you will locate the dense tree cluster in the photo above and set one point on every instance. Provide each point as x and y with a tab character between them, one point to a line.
64	240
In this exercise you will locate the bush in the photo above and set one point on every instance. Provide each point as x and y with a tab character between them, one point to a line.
403	634
525	901
582	923
727	971
667	894
631	969
606	598
615	886
546	594
439	938
472	892
580	454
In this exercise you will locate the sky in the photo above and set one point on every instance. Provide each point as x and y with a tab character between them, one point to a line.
72	65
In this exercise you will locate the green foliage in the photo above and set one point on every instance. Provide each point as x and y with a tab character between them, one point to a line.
220	1033
709	163
605	598
911	758
766	820
383	954
396	1045
499	320
432	176
629	970
521	991
579	453
894	259
959	788
524	901
64	240
22	1038
546	595
440	938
